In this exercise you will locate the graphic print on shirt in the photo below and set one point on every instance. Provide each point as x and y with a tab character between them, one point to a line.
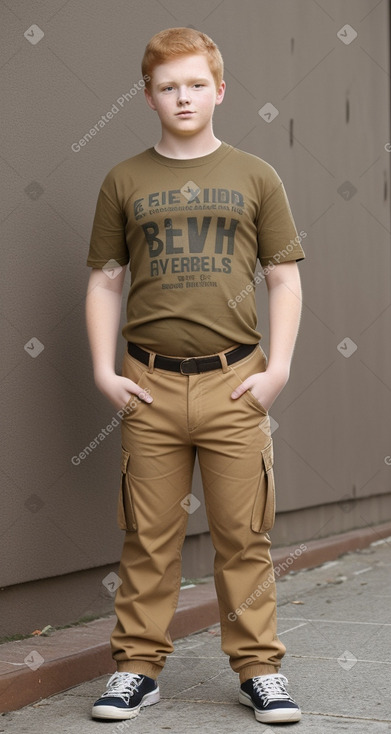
201	244
192	232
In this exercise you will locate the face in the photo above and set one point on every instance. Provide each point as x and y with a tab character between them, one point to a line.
184	95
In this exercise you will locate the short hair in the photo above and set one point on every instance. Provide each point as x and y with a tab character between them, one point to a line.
176	42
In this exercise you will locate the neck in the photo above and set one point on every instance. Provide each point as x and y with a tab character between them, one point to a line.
183	147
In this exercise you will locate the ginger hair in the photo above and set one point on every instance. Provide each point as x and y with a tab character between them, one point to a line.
176	42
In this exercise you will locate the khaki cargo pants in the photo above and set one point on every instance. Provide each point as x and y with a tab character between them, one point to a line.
195	414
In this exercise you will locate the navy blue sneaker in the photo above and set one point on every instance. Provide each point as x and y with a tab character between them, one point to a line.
267	695
126	694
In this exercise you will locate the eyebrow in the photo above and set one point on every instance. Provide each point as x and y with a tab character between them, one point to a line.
195	80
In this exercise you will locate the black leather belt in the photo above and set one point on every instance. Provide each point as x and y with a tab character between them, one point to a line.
190	365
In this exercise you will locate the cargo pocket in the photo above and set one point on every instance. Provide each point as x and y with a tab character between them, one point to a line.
125	515
264	510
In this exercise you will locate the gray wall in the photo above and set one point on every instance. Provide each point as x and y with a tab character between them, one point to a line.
58	530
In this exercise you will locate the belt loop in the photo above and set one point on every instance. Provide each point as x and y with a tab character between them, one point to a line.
151	361
224	364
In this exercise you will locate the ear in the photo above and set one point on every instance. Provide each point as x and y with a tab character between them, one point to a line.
149	99
220	93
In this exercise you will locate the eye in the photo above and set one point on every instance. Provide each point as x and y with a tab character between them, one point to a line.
167	89
199	85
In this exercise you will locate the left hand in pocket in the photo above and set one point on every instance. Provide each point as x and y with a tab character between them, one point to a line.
264	386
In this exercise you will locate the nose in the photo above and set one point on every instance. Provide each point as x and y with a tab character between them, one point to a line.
183	95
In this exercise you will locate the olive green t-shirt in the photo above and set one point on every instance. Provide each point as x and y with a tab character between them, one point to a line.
192	231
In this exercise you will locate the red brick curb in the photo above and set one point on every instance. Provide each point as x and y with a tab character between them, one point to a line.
38	667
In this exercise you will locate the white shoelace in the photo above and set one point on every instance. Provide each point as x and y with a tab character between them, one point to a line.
271	688
122	685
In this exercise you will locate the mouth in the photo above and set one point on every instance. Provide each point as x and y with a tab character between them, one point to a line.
184	113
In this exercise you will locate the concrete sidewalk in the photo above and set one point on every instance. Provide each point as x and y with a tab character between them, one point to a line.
336	623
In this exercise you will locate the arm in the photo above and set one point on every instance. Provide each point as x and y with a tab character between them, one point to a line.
283	284
103	310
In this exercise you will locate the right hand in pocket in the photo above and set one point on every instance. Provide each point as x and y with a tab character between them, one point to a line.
119	390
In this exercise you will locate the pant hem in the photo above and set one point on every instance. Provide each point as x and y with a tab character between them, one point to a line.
250	671
139	666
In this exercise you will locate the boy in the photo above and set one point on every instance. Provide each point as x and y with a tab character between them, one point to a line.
192	215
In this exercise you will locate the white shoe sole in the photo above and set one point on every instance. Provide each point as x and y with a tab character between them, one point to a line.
112	712
270	717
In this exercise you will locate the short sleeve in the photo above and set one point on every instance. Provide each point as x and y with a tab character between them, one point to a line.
278	240
108	237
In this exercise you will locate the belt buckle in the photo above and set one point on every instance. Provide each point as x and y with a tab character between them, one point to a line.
191	362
